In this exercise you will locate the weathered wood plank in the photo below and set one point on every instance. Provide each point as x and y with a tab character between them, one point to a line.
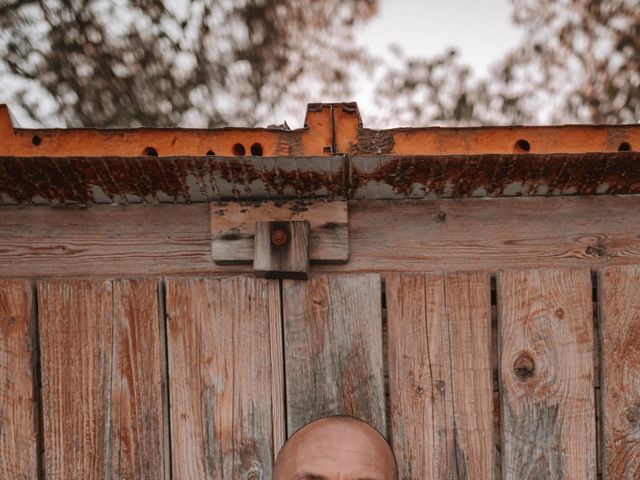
470	234
75	319
222	375
137	412
18	434
619	289
101	383
333	349
546	374
282	249
440	375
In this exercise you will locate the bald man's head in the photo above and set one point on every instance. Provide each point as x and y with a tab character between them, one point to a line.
336	448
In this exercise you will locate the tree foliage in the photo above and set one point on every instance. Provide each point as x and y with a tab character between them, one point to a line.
579	61
166	63
233	62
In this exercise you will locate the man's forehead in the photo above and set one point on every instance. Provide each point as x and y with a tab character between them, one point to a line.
316	476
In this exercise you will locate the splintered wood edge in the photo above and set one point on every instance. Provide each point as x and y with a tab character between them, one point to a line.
233	228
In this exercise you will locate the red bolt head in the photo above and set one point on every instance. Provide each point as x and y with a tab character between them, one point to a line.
278	237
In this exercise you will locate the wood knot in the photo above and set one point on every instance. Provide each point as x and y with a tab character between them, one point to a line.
440	386
279	237
419	390
524	367
559	313
633	414
598	250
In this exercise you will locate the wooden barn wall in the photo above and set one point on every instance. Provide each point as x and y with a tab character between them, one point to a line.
125	353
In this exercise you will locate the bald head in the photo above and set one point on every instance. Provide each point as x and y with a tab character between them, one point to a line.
336	448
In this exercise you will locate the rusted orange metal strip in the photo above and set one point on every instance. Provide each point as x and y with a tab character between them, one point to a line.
328	129
314	139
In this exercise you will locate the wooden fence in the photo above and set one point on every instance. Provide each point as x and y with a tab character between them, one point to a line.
473	293
531	373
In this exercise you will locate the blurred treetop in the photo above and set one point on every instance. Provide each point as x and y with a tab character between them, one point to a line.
215	63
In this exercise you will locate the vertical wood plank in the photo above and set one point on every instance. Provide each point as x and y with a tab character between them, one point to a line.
101	379
333	349
18	435
546	372
75	319
619	302
468	304
440	375
222	378
137	397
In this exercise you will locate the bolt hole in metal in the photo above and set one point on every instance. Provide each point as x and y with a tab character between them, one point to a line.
36	140
624	147
238	150
150	152
256	150
522	146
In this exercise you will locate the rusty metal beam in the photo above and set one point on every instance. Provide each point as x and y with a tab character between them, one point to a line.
459	176
54	180
84	180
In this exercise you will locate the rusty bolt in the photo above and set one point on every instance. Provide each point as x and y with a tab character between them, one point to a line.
278	237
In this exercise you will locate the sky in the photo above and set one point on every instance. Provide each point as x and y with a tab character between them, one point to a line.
481	30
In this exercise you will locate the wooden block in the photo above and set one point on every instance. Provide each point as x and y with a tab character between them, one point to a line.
333	354
18	438
233	228
620	342
102	379
546	374
282	250
440	375
225	375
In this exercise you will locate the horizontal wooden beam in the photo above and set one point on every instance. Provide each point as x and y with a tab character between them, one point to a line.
407	235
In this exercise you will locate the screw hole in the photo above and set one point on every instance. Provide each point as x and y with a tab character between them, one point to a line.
238	150
150	152
210	153
521	146
624	147
36	140
256	150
